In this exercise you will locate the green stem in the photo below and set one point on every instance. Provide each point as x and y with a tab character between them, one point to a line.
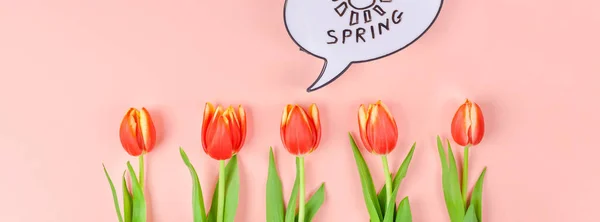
221	194
388	179
465	175
301	192
141	177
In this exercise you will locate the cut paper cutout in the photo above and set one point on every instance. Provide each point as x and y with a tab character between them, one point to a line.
343	32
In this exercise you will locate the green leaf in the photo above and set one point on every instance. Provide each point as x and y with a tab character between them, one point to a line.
470	215
404	214
232	187
381	198
450	184
476	196
212	213
127	203
315	202
290	213
391	208
400	174
114	194
275	207
403	168
454	187
445	185
139	202
368	188
442	155
197	198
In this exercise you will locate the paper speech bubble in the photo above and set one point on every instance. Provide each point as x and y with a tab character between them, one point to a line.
343	32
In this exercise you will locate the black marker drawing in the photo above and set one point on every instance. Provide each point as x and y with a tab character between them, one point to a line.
358	8
343	32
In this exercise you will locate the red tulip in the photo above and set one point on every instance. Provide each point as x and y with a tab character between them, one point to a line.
468	125
378	130
223	131
137	132
300	132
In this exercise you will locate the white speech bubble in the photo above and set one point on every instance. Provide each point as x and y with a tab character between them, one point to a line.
343	32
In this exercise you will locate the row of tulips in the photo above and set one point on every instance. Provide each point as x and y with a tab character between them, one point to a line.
224	133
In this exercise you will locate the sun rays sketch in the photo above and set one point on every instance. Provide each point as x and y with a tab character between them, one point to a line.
357	7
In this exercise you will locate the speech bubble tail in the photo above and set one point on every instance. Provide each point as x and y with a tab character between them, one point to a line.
330	72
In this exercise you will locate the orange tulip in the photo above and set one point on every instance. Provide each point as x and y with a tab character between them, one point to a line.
223	131
378	129
137	132
300	132
468	125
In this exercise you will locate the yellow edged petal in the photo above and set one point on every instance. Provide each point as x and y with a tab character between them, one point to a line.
362	117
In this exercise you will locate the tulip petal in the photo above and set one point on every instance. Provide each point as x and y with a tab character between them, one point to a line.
309	123
460	125
209	110
233	116
138	131
369	111
242	121
289	109
373	113
128	133
234	127
316	120
389	115
477	128
284	119
147	130
298	137
215	115
382	132
362	125
219	144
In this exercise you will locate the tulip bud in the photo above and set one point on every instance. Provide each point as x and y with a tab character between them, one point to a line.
137	132
468	125
378	130
300	132
223	131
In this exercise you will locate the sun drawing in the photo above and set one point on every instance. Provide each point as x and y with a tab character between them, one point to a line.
358	7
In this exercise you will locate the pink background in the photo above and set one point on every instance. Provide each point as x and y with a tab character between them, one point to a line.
70	69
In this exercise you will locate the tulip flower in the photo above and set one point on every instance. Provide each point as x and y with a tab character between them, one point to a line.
137	132
223	134
378	129
468	125
138	135
300	134
467	130
379	134
223	131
